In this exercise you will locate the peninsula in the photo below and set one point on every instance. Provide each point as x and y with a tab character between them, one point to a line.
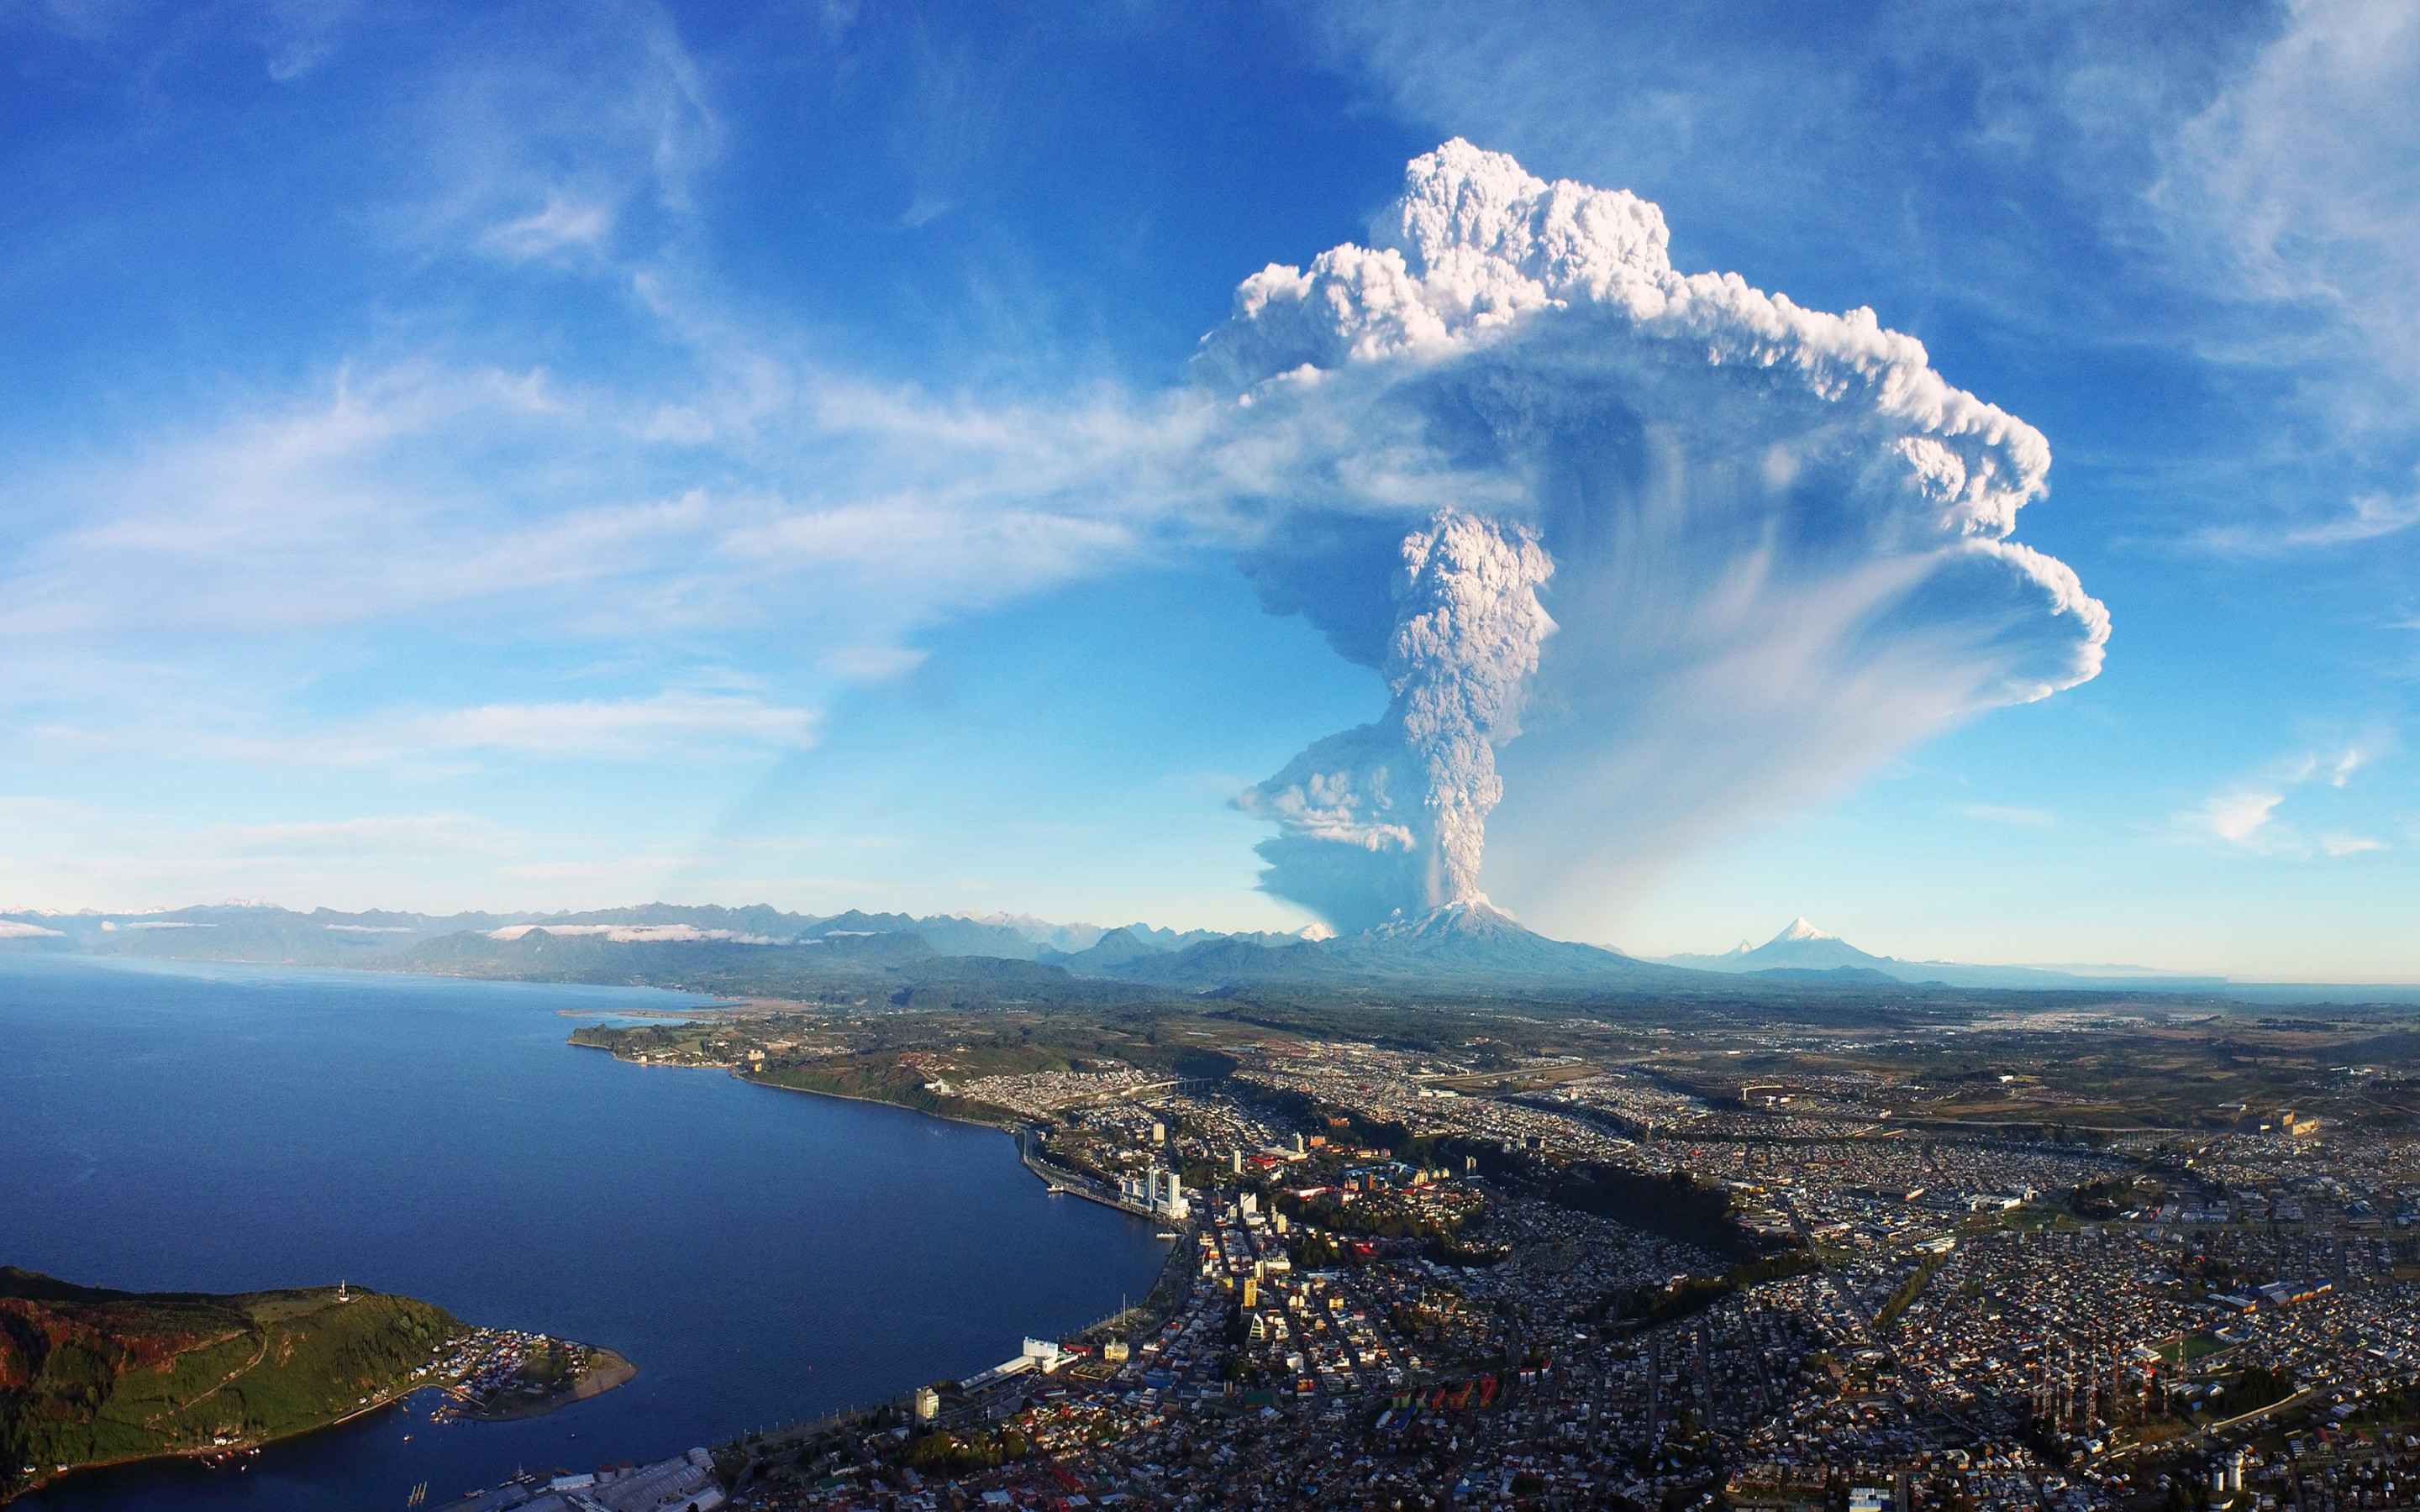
94	1377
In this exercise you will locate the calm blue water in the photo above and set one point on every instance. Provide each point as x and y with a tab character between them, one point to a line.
760	1254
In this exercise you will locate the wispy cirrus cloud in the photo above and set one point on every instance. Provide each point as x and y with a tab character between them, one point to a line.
2300	183
2247	815
597	139
78	855
425	834
610	729
2241	816
2350	844
2356	754
563	222
2023	818
2371	517
692	725
393	494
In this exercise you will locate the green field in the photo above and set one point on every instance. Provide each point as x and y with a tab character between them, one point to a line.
94	1377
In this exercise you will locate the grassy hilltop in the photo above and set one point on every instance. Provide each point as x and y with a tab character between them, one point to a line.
94	1377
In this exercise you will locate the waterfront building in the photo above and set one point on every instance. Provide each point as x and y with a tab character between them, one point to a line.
1045	1354
1159	1191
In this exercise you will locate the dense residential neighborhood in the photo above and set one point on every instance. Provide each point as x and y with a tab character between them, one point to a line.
1429	1276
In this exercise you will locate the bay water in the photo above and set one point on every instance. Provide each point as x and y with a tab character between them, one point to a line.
762	1256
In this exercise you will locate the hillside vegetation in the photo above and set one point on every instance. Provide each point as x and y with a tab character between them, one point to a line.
93	1377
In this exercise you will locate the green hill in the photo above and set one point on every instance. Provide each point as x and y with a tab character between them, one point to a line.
92	1376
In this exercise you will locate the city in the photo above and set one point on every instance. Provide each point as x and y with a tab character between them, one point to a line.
1574	1263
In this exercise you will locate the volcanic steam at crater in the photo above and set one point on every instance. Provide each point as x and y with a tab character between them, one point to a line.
1406	799
1773	543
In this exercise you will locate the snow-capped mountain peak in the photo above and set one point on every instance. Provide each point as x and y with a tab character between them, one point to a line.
1799	930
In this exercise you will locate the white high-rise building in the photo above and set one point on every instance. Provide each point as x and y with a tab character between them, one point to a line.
1159	1192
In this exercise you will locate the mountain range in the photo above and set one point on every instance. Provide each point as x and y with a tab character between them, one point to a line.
1463	944
1466	946
1802	951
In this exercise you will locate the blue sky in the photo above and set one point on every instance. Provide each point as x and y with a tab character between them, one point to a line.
523	456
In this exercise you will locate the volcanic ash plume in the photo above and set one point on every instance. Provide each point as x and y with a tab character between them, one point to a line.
1406	799
1778	542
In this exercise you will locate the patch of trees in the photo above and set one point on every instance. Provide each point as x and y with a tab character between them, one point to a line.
943	1453
2257	1388
2102	1199
1645	1306
1675	1205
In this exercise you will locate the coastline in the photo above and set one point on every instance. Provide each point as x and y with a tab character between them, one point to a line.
737	1075
611	1369
214	1452
1071	1183
1169	1284
607	1369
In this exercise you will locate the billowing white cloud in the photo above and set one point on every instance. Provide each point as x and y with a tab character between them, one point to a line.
2236	187
1778	538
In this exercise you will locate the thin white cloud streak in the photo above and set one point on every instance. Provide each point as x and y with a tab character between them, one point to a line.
421	834
624	729
692	726
2366	751
563	222
2003	814
873	664
2341	845
2238	816
2372	517
364	502
71	856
